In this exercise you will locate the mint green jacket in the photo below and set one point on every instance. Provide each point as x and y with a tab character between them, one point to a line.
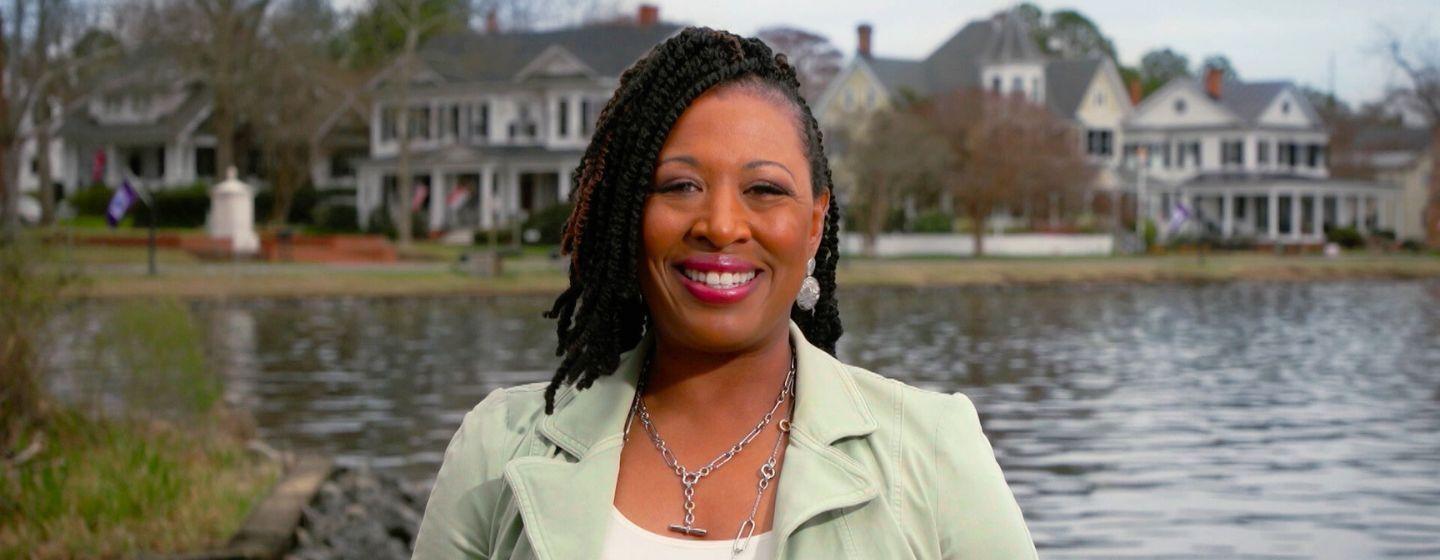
875	469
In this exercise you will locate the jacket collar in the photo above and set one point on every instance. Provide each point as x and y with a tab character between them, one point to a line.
565	504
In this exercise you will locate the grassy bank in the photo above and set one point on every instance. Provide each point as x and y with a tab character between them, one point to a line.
537	274
117	488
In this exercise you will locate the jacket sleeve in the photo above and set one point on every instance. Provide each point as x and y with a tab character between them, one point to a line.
457	521
977	515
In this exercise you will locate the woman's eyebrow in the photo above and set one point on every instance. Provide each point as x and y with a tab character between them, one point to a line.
765	162
688	160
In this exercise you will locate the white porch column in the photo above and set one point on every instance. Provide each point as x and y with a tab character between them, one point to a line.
1227	215
437	199
1273	209
1362	211
486	200
1295	215
512	193
1342	211
564	184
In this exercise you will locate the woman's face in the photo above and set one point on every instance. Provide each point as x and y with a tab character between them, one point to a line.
729	223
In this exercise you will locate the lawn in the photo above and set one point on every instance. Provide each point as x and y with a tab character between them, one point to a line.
118	488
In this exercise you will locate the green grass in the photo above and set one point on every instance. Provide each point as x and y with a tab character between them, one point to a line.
118	488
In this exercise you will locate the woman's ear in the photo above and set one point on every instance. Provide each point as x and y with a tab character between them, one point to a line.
817	220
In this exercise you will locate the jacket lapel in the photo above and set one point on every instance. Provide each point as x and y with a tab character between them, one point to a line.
565	501
816	477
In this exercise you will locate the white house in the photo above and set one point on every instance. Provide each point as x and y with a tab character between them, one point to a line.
503	116
1248	159
995	54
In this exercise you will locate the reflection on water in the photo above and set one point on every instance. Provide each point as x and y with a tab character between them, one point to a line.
1241	420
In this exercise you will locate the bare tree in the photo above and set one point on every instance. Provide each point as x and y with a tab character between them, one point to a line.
815	59
1005	151
891	155
33	83
296	94
1419	60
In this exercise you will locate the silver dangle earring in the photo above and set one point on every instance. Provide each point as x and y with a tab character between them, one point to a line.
809	289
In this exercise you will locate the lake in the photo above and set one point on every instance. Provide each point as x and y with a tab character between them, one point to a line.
1244	420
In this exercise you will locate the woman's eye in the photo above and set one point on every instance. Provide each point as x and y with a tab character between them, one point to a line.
678	186
768	189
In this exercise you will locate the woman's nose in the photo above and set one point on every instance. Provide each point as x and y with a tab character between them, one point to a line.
724	220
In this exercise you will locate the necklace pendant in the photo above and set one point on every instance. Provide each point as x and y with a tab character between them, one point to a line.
688	530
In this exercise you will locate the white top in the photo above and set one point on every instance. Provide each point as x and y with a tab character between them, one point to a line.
624	540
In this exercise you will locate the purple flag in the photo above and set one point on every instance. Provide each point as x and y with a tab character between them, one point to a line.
1178	216
120	203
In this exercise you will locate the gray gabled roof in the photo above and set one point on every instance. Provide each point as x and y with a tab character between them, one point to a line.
1248	99
1066	82
1011	41
607	49
955	64
899	75
82	128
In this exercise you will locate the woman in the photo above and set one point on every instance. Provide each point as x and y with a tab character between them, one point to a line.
698	411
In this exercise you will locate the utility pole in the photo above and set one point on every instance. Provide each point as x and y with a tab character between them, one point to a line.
1142	153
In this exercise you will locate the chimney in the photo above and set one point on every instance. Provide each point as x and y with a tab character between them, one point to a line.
648	15
862	35
1135	92
492	25
1214	79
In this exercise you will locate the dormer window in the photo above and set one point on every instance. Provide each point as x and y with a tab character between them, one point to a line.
1285	108
1099	98
1179	106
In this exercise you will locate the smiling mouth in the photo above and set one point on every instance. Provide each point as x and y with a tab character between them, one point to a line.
719	280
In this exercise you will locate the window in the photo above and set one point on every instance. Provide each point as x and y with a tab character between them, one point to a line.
419	123
453	130
1232	152
995	84
1285	108
480	120
205	162
1035	89
1189	154
1098	142
1017	84
562	116
1179	106
1313	154
1262	152
389	123
587	116
1099	98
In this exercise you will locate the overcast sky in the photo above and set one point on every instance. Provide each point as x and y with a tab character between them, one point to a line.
1265	39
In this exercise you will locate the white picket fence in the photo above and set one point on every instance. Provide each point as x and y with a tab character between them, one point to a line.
962	245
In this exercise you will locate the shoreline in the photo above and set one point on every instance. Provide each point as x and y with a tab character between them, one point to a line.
542	277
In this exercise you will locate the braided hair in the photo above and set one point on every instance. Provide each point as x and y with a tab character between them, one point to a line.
602	313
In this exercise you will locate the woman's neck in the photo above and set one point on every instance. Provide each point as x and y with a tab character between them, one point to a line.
705	386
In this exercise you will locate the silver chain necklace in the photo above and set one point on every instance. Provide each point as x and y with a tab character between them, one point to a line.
688	478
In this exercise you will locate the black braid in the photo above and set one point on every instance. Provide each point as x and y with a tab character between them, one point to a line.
602	314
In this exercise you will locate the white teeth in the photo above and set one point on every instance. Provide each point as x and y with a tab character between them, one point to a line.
719	279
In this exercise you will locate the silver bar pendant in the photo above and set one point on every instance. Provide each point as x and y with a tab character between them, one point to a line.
692	531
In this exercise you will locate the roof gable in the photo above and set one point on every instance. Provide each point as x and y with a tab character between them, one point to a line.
554	62
1067	82
1288	108
605	50
1179	104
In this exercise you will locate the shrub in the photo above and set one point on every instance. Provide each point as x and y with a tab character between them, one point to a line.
502	236
1346	237
380	223
934	221
550	222
185	207
302	205
92	200
337	218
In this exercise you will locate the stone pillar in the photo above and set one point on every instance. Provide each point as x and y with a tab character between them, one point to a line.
1227	215
1273	209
